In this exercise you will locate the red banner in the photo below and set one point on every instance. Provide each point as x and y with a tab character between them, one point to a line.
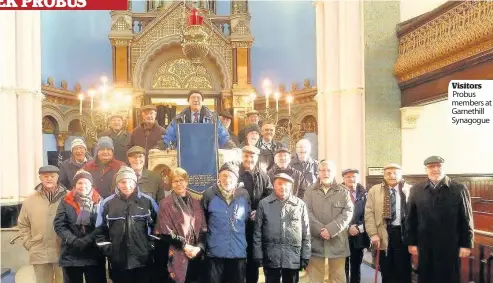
63	4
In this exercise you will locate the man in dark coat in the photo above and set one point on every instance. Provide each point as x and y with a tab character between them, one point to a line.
439	224
282	158
258	186
358	238
226	119
252	119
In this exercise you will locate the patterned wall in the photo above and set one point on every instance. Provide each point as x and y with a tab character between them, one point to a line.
383	135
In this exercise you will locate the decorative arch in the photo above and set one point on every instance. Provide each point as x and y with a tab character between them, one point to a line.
180	73
50	125
309	110
55	114
309	124
168	42
74	127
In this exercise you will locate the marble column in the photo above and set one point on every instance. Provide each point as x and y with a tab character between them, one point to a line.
9	167
20	88
340	83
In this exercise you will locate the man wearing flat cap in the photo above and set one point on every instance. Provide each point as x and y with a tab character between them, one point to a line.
358	238
281	240
197	113
35	224
282	159
252	119
258	186
148	182
149	133
119	135
439	225
252	135
227	209
226	119
385	219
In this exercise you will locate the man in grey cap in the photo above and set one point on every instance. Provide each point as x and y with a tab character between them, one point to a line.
104	167
252	119
36	226
281	241
385	216
69	167
119	135
439	224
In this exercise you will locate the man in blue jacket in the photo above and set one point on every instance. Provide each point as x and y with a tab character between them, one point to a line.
227	209
197	113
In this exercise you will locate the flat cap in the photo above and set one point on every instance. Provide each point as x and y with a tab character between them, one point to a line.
284	176
226	114
231	167
135	150
282	149
250	149
350	170
391	165
48	169
148	107
433	159
115	116
251	112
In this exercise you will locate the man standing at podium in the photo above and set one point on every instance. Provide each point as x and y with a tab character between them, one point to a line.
197	113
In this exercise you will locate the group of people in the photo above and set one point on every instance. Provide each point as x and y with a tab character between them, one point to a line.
275	209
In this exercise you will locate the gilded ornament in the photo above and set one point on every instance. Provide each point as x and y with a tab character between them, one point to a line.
121	24
64	85
241	28
51	82
306	84
195	43
181	74
241	44
459	33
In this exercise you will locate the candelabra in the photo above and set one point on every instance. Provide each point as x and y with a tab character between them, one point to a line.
284	128
104	102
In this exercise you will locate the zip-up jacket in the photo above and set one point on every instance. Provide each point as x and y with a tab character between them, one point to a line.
127	223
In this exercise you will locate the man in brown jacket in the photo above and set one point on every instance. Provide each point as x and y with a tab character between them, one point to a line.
330	211
385	214
36	226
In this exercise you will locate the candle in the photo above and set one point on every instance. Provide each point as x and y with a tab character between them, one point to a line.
267	99
253	96
290	100
81	97
91	94
276	96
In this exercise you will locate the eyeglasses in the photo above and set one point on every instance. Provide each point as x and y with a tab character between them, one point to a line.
181	181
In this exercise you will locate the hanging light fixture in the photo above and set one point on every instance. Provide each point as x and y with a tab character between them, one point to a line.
195	38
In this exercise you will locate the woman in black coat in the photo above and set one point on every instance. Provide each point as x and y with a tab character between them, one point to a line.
75	225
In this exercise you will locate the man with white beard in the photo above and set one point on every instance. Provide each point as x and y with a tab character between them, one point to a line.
303	162
330	211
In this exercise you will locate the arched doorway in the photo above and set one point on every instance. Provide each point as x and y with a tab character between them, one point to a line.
309	130
50	129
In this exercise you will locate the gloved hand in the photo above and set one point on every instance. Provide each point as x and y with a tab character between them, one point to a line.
81	243
258	261
303	263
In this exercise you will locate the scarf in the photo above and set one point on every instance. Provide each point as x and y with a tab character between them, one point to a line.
387	209
184	204
50	194
86	205
227	195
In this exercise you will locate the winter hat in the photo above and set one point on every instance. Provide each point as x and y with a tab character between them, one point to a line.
105	142
231	167
77	142
81	174
125	173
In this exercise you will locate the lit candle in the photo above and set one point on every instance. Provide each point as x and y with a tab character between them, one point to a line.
290	100
267	94
91	94
81	98
276	96
253	96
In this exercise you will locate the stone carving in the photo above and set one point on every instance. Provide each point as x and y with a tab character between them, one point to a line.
459	33
77	88
294	86
49	125
241	28
227	102
241	44
64	85
51	81
181	74
409	117
306	84
239	7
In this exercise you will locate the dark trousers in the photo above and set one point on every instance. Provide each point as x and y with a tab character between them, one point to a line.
395	264
251	266
226	270
353	265
274	275
160	272
91	274
141	275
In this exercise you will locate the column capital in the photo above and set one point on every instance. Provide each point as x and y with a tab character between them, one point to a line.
318	3
410	116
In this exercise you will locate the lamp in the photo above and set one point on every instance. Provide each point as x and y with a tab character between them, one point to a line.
104	103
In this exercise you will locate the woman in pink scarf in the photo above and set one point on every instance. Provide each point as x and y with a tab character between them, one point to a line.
182	223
